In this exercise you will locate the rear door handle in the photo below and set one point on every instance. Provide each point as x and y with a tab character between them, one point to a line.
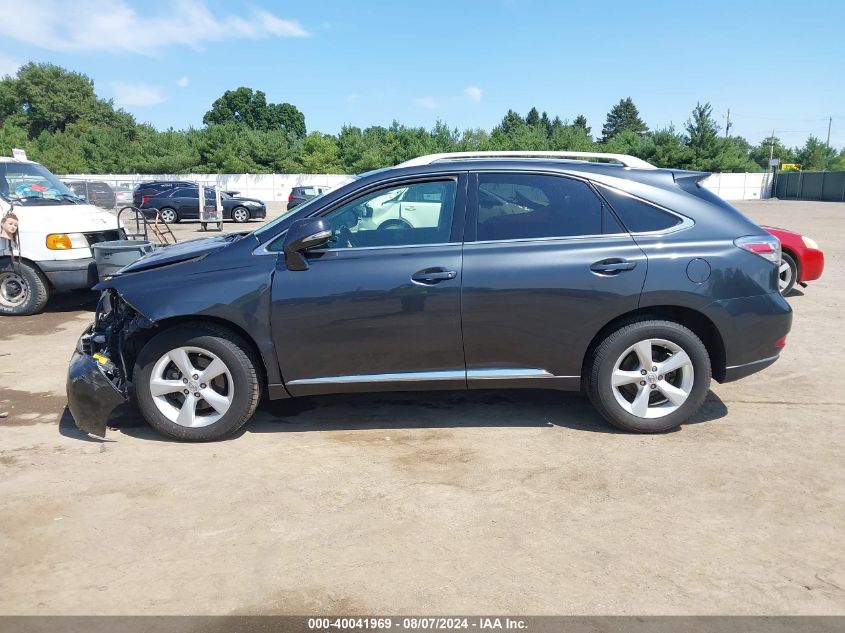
433	275
612	266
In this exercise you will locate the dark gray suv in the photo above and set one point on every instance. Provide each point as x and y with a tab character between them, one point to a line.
455	271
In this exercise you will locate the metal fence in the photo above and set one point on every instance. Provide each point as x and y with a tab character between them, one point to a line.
828	186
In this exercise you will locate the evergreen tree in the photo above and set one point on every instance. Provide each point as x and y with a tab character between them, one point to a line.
581	121
623	116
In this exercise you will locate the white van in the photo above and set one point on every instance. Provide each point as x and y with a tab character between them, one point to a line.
56	230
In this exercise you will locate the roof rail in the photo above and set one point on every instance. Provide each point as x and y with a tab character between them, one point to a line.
624	159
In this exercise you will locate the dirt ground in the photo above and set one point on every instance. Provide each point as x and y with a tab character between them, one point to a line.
488	502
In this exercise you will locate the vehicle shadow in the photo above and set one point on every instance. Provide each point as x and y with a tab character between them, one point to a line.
73	301
406	410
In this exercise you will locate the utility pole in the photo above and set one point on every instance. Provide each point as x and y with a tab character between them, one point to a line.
772	148
728	124
829	123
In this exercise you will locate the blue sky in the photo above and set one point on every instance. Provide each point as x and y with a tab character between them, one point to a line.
776	65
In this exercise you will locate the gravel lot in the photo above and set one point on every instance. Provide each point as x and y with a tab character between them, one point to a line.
488	502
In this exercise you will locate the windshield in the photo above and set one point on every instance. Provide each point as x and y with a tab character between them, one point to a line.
30	183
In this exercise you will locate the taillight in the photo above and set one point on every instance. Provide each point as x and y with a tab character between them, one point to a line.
290	197
766	246
145	200
781	342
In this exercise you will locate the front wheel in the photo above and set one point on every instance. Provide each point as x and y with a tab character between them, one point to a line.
23	289
196	383
649	376
240	214
787	273
168	216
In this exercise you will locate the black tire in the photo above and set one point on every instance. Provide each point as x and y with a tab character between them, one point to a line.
228	347
601	391
175	215
245	210
23	277
790	276
394	224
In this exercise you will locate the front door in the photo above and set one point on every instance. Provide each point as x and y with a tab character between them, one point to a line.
378	308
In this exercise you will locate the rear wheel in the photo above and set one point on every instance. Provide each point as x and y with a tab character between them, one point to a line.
23	289
787	273
168	215
196	383
649	376
240	214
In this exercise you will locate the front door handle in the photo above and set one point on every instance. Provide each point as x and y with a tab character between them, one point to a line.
433	275
612	266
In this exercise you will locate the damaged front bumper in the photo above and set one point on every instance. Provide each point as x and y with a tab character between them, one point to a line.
91	394
97	379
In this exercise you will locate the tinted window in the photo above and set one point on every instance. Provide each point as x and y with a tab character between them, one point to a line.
419	213
521	206
183	193
639	216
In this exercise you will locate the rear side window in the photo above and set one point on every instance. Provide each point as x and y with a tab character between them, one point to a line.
526	206
638	216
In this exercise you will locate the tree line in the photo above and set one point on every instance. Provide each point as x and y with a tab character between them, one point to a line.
57	117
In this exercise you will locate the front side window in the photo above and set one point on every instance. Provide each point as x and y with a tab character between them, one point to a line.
536	206
411	214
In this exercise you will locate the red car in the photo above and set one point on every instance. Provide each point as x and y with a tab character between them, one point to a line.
801	259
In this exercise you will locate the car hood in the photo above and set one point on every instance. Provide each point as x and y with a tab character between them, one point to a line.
176	253
65	218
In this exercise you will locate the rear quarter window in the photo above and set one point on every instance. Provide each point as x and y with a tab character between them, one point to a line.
638	216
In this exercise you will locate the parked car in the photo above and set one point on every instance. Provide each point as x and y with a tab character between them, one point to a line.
631	283
146	190
56	228
801	259
182	203
123	196
95	192
298	195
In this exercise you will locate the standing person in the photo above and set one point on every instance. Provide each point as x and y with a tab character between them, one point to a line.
9	239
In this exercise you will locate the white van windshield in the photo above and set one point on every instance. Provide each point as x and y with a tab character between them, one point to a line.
30	183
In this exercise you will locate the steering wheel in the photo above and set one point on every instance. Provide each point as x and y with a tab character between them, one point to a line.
345	237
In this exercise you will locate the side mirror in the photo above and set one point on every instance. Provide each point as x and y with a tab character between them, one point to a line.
301	236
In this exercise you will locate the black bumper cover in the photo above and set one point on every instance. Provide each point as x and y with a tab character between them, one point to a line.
91	396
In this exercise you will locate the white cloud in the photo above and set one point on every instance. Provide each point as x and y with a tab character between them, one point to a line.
8	66
425	102
183	82
128	95
114	26
473	92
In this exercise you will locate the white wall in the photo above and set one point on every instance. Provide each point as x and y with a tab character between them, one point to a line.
755	186
276	187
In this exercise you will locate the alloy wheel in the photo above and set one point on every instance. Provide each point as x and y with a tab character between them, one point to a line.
191	386
784	275
652	378
240	215
13	289
168	216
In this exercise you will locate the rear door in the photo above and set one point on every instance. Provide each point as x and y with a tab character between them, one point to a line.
186	201
546	265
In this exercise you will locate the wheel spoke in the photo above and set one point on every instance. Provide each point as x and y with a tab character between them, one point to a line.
219	402
675	395
187	414
643	352
639	406
622	377
783	267
675	361
214	369
183	363
160	386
